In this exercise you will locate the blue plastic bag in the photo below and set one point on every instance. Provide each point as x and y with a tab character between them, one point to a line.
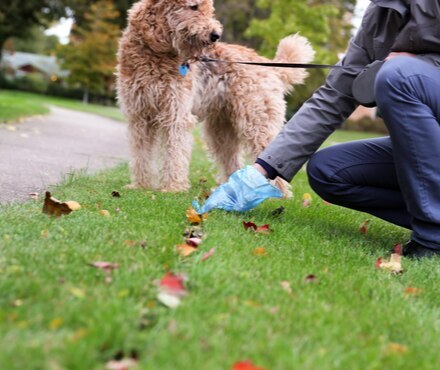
244	190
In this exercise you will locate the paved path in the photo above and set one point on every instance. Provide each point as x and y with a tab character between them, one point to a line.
38	152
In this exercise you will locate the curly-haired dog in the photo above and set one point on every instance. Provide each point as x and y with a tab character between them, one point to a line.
162	89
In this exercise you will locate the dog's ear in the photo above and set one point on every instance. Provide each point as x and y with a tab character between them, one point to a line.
147	21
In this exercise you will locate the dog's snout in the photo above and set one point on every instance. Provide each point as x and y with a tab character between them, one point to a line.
215	36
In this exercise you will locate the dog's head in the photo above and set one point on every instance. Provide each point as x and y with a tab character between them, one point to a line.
186	27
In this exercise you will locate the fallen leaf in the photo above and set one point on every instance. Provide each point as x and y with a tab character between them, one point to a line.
194	217
398	249
265	229
306	200
55	323
364	227
208	254
185	250
107	266
411	291
396	348
194	242
249	225
54	207
311	279
74	206
44	233
286	286
259	251
279	211
394	265
245	365
123	364
193	232
77	292
116	194
169	300
104	212
77	335
173	284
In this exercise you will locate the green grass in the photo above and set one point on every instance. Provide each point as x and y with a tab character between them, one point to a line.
15	105
56	312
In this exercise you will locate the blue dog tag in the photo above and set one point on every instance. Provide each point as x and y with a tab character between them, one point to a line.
184	69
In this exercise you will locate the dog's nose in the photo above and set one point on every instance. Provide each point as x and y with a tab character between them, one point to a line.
214	36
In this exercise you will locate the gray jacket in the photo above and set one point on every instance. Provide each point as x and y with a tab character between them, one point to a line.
388	25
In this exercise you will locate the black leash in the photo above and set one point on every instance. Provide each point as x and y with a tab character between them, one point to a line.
277	65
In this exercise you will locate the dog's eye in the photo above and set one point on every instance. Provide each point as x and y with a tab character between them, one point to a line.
194	7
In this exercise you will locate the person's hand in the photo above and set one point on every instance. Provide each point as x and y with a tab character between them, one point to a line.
399	53
244	190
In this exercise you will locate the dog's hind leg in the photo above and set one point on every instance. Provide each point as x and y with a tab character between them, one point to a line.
223	145
257	131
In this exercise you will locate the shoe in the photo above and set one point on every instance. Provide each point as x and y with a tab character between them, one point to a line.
412	249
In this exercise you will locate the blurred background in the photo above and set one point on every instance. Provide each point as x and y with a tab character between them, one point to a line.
67	48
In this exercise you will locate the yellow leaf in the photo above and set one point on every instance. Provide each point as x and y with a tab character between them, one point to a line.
396	348
194	217
74	206
185	250
55	323
44	233
80	333
260	251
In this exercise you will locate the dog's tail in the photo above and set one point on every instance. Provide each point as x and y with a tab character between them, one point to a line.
293	49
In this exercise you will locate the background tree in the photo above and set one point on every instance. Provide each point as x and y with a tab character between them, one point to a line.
36	42
17	17
90	55
327	24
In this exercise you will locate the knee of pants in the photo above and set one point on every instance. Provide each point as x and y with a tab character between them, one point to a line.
320	175
391	77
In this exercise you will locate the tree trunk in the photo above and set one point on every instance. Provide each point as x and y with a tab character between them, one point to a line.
86	96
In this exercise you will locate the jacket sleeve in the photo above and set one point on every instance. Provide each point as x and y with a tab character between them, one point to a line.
327	109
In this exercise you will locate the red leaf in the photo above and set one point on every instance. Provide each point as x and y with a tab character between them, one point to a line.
311	278
208	254
364	227
245	365
173	284
249	225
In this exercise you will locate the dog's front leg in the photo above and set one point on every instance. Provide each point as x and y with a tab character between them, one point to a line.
178	147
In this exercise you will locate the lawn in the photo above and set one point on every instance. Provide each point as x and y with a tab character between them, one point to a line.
15	105
58	312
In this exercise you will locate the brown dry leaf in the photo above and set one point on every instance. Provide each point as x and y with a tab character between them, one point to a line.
54	207
44	233
107	266
364	227
394	265
116	194
194	217
104	212
185	250
396	348
412	291
311	279
259	251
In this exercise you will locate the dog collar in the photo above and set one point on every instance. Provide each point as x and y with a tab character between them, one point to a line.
184	69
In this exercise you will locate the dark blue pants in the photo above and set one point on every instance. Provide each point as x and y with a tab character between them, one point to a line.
395	178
